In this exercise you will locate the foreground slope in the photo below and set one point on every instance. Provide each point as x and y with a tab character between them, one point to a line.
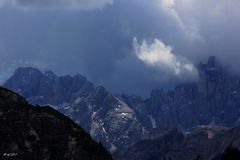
37	133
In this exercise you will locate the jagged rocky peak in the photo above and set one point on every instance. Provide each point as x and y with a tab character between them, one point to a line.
212	69
50	74
79	77
135	102
47	87
25	81
100	92
211	63
31	132
101	99
27	71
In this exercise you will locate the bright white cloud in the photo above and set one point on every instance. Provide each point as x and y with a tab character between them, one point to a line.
159	55
57	4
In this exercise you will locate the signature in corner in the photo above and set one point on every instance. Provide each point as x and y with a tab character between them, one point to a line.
10	154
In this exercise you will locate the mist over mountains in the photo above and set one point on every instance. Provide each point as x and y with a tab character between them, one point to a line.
99	42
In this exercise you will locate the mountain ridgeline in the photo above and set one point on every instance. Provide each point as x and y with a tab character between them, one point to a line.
214	99
107	118
35	133
119	121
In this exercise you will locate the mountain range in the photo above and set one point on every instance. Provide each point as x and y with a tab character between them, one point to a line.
119	121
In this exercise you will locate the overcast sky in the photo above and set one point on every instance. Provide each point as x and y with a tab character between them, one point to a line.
128	46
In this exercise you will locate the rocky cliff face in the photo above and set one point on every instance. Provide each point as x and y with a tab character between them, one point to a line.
35	133
43	88
107	118
214	99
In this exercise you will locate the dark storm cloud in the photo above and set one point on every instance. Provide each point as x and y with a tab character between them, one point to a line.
99	43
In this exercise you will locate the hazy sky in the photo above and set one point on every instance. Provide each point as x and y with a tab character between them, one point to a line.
129	46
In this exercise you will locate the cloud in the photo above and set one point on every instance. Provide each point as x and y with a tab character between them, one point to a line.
191	31
159	55
207	27
57	4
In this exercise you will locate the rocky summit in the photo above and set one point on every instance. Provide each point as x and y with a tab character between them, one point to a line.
41	133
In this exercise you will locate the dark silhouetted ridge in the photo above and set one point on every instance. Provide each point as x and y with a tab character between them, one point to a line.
38	133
